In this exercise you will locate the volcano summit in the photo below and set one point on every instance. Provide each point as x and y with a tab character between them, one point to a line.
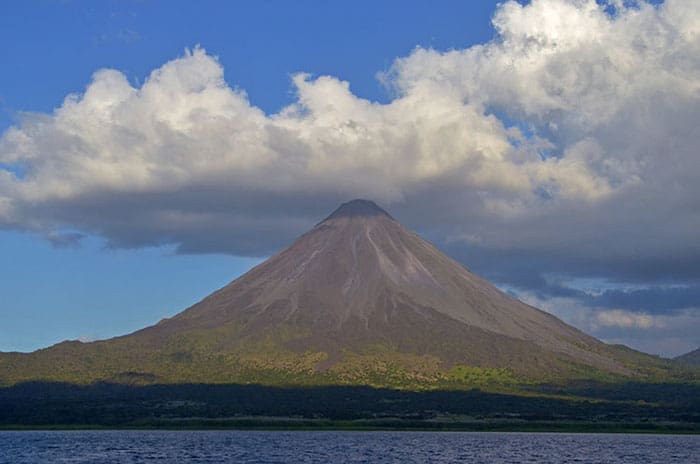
358	299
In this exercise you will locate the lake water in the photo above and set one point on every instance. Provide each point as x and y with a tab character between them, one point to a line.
344	447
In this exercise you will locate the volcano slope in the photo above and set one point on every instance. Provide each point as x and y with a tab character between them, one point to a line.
692	358
357	300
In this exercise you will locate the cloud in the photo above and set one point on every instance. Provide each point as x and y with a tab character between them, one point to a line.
185	132
64	239
602	293
615	96
566	146
662	334
625	319
647	299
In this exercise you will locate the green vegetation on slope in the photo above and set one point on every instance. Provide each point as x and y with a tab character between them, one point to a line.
219	356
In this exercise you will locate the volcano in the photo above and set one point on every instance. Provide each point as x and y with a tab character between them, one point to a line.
358	299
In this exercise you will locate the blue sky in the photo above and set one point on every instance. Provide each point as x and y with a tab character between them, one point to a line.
127	195
57	45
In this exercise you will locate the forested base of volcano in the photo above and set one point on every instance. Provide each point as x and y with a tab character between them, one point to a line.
577	407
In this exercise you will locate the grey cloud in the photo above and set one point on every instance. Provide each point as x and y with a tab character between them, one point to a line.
65	239
652	299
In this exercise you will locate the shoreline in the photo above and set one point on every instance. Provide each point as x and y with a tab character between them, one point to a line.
292	424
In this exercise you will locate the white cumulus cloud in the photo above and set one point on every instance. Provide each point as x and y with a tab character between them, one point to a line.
572	135
627	319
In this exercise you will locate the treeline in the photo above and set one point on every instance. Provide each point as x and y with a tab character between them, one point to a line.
115	405
686	395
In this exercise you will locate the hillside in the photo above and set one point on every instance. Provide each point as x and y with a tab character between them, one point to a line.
692	358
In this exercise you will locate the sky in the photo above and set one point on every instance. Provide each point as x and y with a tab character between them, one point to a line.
151	152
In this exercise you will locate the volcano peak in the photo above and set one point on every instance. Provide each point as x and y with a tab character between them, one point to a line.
358	208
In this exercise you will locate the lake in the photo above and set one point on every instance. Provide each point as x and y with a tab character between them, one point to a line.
345	447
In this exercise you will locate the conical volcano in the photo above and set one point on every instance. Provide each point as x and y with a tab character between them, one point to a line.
357	299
